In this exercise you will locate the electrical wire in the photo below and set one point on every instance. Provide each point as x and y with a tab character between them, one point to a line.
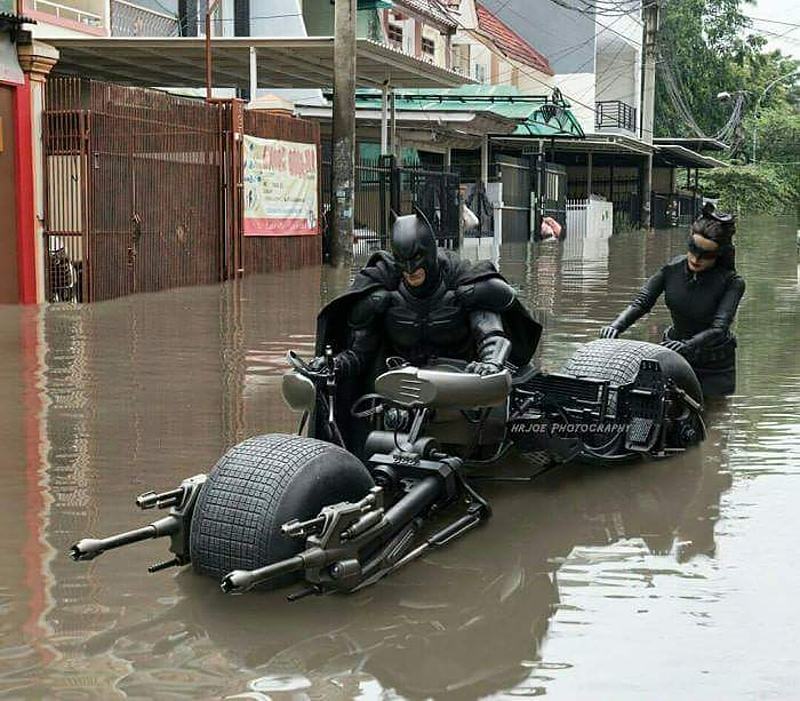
535	77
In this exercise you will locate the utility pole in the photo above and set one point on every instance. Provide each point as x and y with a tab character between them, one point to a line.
649	31
210	8
344	129
756	111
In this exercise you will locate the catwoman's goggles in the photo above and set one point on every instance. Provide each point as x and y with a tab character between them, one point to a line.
699	251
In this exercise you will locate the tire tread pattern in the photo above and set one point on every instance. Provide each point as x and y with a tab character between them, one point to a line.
235	513
615	360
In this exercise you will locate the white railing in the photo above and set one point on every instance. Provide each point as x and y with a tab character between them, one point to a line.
65	12
589	218
130	20
139	8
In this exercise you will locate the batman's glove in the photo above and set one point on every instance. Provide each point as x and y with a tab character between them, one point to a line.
492	355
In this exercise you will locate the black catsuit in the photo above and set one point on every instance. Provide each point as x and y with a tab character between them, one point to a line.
703	306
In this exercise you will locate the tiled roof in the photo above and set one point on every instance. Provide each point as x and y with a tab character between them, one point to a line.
428	8
509	42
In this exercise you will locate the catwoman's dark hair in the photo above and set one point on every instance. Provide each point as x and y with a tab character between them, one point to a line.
719	228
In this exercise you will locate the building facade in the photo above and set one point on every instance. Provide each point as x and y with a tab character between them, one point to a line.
596	57
488	50
126	18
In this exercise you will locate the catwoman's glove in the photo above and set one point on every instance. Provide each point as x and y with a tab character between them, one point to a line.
630	314
677	346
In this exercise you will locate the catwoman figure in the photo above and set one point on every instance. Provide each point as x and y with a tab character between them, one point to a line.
421	304
702	291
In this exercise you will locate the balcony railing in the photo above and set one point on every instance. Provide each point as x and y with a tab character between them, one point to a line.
131	20
615	114
65	12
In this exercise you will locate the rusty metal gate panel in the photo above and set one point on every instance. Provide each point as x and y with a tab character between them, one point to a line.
157	157
64	141
135	175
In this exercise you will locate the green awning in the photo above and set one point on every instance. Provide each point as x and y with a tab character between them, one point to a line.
548	123
537	115
374	4
370	152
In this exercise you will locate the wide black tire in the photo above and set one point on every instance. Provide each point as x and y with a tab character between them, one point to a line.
617	360
259	485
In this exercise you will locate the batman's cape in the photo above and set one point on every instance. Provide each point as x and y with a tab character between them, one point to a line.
381	272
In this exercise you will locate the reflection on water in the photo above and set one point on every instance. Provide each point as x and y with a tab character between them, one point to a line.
589	582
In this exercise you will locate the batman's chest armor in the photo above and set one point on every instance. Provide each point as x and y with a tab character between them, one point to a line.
436	325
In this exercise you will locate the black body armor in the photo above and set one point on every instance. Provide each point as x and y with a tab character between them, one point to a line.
703	307
452	322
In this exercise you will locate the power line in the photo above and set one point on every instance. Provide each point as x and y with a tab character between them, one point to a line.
773	21
529	74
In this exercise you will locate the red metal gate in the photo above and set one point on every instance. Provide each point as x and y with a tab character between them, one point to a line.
133	190
144	191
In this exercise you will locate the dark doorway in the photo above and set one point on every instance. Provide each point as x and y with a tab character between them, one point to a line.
515	175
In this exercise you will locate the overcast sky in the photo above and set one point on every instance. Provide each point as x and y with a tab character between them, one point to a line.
787	11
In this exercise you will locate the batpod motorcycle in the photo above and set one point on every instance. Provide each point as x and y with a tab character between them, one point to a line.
338	514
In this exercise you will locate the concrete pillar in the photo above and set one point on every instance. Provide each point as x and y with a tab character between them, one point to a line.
589	164
393	149
253	73
36	60
385	118
485	160
344	132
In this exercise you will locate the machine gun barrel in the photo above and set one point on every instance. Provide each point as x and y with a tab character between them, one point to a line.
420	497
370	527
240	581
90	548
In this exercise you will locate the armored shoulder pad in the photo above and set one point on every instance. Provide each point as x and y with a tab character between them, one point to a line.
369	308
493	294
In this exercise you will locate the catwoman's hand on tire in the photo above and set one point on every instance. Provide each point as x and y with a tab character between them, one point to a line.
609	332
677	346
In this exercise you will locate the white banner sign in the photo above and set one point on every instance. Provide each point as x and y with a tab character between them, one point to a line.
280	188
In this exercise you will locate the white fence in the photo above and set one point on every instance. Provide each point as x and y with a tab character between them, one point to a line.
590	219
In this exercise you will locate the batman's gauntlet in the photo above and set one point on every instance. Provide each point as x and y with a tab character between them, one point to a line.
493	352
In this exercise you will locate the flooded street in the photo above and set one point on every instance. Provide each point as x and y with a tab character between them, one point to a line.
675	579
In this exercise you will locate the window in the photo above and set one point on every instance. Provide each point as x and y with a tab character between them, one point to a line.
479	73
394	30
428	47
395	35
461	58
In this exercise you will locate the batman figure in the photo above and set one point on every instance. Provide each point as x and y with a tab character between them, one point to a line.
421	304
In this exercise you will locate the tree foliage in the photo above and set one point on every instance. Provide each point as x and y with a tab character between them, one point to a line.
748	189
708	47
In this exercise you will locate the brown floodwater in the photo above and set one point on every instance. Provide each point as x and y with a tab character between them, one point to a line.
671	579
